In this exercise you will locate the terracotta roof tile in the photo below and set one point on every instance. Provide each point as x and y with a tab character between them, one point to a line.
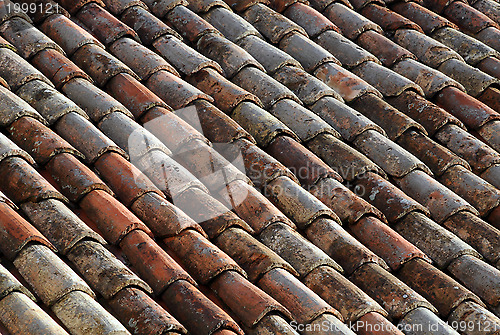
186	303
329	236
385	242
470	311
90	315
488	7
117	7
234	27
74	7
321	5
229	55
269	56
271	324
20	314
490	175
58	223
148	27
29	39
468	18
350	23
185	60
206	5
94	262
428	320
6	44
424	17
17	233
10	284
386	50
389	20
308	18
393	295
490	36
302	302
135	309
372	320
10	149
191	26
442	291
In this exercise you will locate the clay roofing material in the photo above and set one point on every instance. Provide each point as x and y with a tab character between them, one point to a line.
232	167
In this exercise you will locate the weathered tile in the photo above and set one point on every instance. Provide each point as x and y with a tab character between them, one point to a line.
206	5
191	26
16	71
10	284
468	18
148	27
470	313
10	149
230	24
310	19
351	23
389	20
271	325
387	51
425	18
426	321
374	320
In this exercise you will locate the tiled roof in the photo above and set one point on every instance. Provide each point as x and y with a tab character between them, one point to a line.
250	167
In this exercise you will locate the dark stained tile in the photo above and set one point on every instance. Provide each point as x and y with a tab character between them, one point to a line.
9	284
271	325
10	149
425	18
374	320
350	23
206	5
117	7
387	51
429	322
231	25
468	18
74	6
191	26
489	8
389	20
476	314
308	18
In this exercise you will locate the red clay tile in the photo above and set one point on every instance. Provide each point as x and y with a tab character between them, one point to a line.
191	26
491	97
302	302
229	55
28	39
10	149
474	80
374	320
73	177
429	115
117	7
58	223
441	202
271	325
393	159
269	56
296	203
103	270
96	103
255	209
305	124
468	18
475	152
347	121
16	233
310	55
388	82
226	94
39	265
133	95
148	27
267	89
248	302
259	166
212	215
308	88
21	315
67	34
479	193
25	183
197	312
206	5
202	259
125	179
384	195
392	294
438	243
253	256
240	6
215	125
174	91
308	18
489	134
479	276
343	295
114	220
57	67
471	313
164	219
231	25
488	7
385	242
350	23
437	5
143	61
346	51
304	164
185	59
427	320
471	112
141	314
442	291
49	102
79	132
389	20
47	8
491	175
153	264
441	159
295	249
427	19
341	246
386	50
7	12
348	85
103	25
74	6
101	65
271	24
7	201
263	126
16	71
